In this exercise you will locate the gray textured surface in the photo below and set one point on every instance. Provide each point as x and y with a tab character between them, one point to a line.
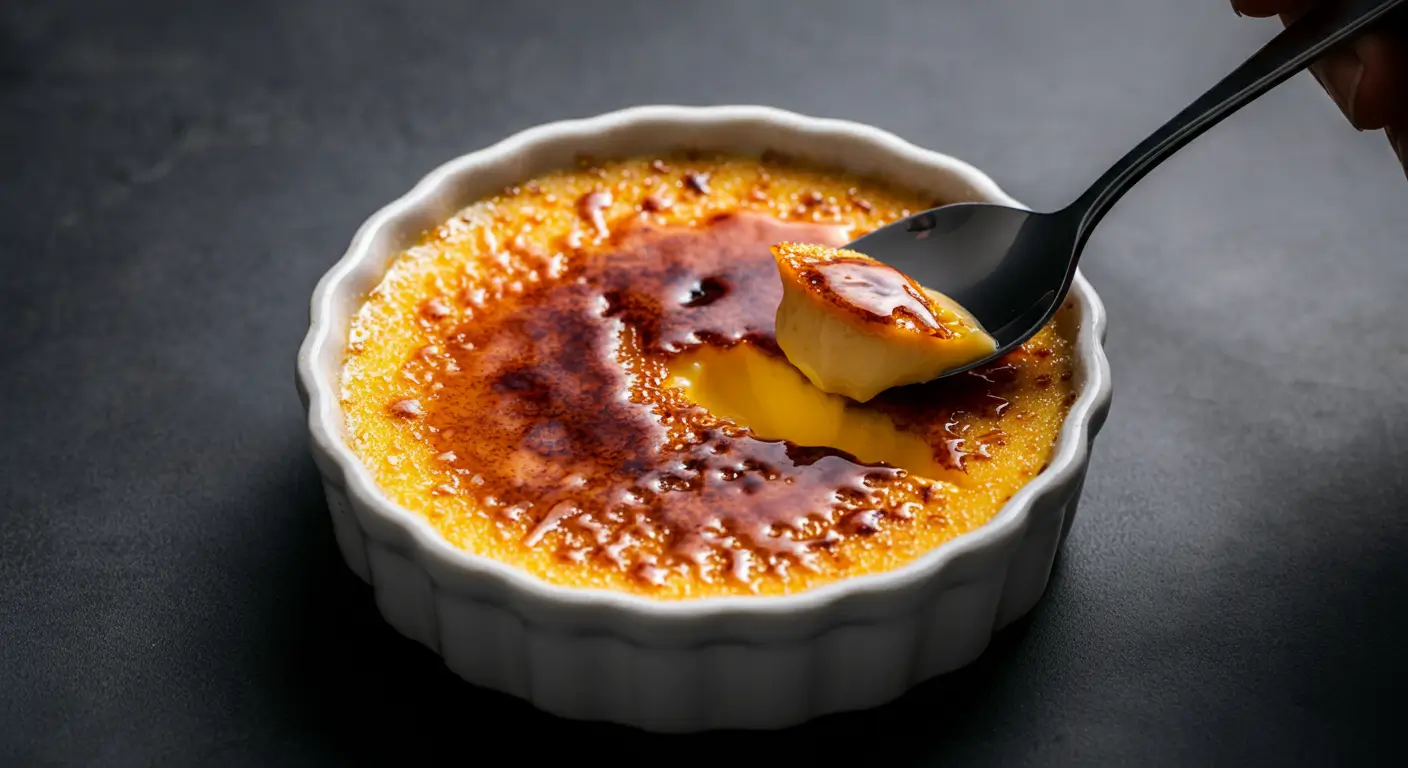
174	177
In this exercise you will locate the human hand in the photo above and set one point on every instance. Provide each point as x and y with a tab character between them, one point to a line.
1367	78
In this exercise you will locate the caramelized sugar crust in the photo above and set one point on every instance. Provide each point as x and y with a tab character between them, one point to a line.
863	288
508	380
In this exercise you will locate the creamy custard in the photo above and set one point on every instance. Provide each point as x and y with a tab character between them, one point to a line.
581	377
857	327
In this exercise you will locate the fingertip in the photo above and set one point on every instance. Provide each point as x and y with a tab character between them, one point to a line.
1377	101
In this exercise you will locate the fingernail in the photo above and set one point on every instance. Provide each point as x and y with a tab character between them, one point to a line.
1339	74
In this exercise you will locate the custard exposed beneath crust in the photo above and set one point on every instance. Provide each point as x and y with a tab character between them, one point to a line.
857	327
535	377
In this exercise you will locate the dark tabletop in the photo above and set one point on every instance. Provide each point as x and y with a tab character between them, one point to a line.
175	176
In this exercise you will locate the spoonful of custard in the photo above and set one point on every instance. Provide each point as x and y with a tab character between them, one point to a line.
857	327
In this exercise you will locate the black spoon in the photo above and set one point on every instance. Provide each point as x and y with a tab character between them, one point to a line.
1012	268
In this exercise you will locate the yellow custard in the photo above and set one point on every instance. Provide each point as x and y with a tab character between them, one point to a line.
581	377
857	327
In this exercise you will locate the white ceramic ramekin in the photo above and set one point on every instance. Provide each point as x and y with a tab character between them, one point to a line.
740	662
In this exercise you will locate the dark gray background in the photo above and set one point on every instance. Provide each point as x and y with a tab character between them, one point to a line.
175	176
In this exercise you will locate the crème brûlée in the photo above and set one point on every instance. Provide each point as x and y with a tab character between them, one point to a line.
857	327
581	377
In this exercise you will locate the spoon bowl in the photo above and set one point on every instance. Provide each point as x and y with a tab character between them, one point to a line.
1009	267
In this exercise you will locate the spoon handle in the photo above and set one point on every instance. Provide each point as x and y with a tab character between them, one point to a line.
1304	41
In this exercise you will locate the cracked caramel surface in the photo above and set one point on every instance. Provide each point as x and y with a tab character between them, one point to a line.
862	288
511	379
